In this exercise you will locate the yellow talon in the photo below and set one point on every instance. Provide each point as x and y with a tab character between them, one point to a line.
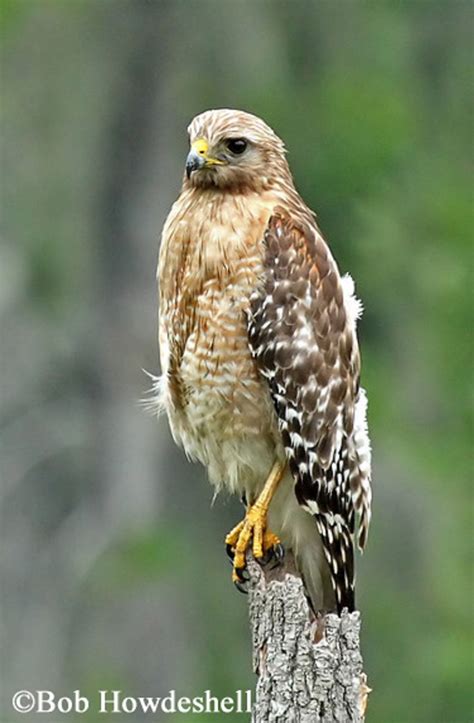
270	541
253	527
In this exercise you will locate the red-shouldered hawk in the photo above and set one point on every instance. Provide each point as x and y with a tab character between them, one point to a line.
260	358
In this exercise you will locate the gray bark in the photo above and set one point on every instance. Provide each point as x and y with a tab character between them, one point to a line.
309	669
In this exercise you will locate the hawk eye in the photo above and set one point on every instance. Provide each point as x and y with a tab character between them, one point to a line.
236	145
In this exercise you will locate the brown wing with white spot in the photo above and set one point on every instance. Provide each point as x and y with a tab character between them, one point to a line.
303	338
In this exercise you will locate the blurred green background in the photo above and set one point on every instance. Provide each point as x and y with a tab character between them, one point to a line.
113	571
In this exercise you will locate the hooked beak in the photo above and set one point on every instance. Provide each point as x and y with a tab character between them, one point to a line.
194	162
198	157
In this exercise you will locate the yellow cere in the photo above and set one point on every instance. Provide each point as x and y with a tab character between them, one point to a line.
201	146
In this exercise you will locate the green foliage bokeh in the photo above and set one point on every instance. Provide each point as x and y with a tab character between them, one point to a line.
372	100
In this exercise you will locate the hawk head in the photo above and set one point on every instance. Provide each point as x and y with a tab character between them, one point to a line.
233	150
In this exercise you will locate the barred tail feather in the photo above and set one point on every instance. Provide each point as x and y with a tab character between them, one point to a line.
339	551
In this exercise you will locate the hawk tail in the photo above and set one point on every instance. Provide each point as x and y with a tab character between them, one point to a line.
339	552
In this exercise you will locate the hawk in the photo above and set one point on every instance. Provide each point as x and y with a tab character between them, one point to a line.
259	356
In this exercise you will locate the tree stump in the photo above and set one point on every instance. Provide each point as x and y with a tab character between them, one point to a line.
309	669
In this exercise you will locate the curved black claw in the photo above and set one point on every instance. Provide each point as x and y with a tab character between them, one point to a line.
278	554
242	574
274	555
243	577
230	552
242	587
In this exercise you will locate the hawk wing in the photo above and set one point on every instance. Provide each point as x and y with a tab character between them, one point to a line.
304	343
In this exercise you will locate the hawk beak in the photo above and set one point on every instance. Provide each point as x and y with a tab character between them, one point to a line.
194	162
198	158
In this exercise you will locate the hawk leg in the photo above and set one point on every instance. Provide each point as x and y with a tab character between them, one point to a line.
253	528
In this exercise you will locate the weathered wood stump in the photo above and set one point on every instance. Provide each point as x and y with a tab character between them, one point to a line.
309	669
